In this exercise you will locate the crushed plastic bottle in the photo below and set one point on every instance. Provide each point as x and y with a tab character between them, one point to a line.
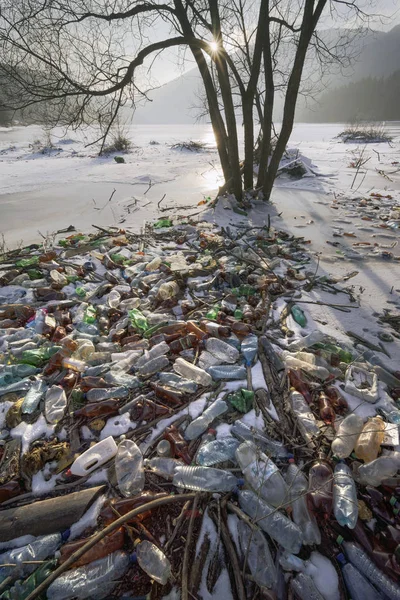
369	441
204	479
217	451
255	548
366	567
55	404
376	471
201	423
153	562
347	436
189	371
129	468
345	506
222	351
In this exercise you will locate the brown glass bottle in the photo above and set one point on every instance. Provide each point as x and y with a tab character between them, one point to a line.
112	542
168	395
184	343
326	411
339	404
297	381
148	410
108	515
98	409
179	445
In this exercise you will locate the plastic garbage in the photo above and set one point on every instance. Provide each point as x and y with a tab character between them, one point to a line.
305	342
153	562
94	457
368	569
256	550
358	586
261	473
227	372
33	397
217	451
189	371
204	479
369	441
95	580
222	350
201	423
376	471
345	506
347	435
274	523
298	315
38	550
297	486
305	418
362	384
304	587
129	468
55	404
249	349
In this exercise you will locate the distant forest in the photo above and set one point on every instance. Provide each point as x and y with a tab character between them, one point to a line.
369	99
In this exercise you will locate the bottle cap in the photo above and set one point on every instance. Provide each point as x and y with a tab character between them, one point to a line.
240	482
291	460
341	558
65	535
133	558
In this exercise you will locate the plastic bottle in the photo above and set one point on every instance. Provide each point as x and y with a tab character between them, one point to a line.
153	562
305	419
305	588
255	548
261	473
204	479
358	586
74	364
320	479
99	394
270	354
111	543
55	404
222	350
153	366
164	449
154	352
23	588
271	447
305	342
270	520
347	435
292	362
33	397
298	383
298	315
345	505
379	469
207	360
168	290
96	580
249	348
163	466
122	379
366	567
369	442
390	413
94	457
129	468
201	424
189	371
177	382
217	451
38	550
230	372
297	488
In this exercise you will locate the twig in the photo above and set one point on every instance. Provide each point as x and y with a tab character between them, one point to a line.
185	565
102	534
158	203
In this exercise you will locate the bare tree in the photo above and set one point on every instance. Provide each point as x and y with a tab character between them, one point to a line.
84	59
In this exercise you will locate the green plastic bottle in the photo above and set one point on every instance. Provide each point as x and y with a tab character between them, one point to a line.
344	355
28	262
80	292
90	315
38	356
298	315
163	223
23	588
238	314
213	314
138	320
34	274
242	400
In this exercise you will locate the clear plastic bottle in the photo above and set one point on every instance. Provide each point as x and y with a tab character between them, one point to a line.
168	290
261	473
222	350
153	562
113	299
305	342
230	372
129	468
204	479
270	354
274	523
85	349
305	588
249	349
99	394
95	580
178	383
55	404
379	469
358	586
74	364
217	451
361	561
33	397
156	351
345	504
255	547
201	424
320	478
347	435
164	448
369	441
207	360
121	379
153	366
38	550
163	466
292	362
189	371
271	447
305	419
297	487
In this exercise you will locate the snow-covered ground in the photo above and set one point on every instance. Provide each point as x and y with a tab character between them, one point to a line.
332	208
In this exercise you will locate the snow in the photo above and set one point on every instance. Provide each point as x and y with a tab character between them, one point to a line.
253	420
324	576
29	433
43	482
117	426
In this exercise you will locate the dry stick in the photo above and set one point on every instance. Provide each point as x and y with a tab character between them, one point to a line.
184	580
230	548
103	533
178	523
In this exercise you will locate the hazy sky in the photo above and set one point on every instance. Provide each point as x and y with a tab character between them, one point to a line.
168	66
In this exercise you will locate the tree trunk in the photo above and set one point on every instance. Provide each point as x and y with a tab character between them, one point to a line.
248	124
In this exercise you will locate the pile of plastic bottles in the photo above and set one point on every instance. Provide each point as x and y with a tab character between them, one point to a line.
165	363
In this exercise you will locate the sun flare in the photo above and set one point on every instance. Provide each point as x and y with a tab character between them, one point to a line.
214	46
